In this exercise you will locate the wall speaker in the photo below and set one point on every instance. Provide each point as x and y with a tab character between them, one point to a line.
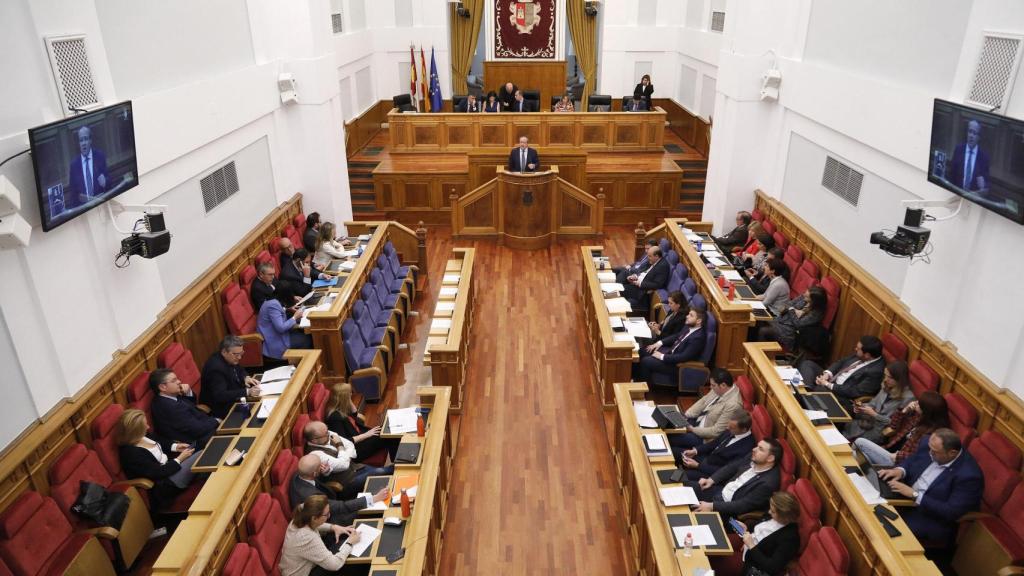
10	197
770	82
286	85
14	232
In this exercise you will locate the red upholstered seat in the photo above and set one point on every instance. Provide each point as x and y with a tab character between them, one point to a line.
317	400
140	395
793	258
1000	462
275	252
36	539
825	555
179	359
266	523
746	391
780	240
787	466
246	277
299	221
281	475
833	291
756	214
805	277
292	234
768	226
762	423
241	320
1007	528
963	418
104	439
923	378
265	257
298	440
893	348
810	509
243	561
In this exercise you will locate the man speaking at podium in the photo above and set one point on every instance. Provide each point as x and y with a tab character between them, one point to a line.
523	158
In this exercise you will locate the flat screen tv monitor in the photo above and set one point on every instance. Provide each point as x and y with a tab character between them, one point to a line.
979	156
83	161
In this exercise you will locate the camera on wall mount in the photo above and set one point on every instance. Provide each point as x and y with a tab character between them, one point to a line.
151	242
911	239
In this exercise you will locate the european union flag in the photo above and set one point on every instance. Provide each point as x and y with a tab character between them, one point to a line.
435	85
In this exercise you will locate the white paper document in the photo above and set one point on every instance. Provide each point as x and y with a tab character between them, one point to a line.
449	291
643	415
701	534
266	407
348	266
402	420
323	306
833	437
618	305
625	337
606	276
397	498
350	253
382	505
732	275
756	304
717	261
279	373
786	372
367	534
816	414
638	328
612	287
655	442
678	496
273	388
693	237
364	237
615	322
867	491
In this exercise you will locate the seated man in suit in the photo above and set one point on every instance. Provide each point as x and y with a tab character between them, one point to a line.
339	454
312	232
523	158
306	483
737	237
744	485
520	104
469	104
624	272
710	415
224	381
175	416
637	287
263	286
636	105
297	268
686	346
859	374
945	482
733	444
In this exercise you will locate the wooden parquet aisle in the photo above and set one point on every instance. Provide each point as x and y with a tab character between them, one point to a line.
533	489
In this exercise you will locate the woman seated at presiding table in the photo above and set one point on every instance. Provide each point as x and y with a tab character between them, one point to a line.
342	418
492	104
908	429
142	457
565	104
312	547
278	325
769	547
804	311
871	418
327	247
673	323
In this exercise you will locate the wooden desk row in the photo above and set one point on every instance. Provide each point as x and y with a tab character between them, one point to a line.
872	551
648	520
613	359
448	341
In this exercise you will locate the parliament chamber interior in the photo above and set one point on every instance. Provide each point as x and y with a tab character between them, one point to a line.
602	287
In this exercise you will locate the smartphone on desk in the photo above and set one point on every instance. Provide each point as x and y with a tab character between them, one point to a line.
737	526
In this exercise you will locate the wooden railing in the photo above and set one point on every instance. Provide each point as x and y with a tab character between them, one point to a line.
192	318
872	551
613	360
693	129
361	130
447	354
868	307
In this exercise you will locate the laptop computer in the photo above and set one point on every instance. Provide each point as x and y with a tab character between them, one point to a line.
869	472
745	292
668	417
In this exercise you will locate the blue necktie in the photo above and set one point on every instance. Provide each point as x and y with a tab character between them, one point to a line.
88	178
969	172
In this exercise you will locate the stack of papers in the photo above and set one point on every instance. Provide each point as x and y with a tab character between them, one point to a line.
606	276
323	306
615	322
618	305
786	372
364	237
867	491
397	498
613	288
266	407
693	237
755	304
367	534
717	261
382	505
833	437
350	253
638	328
732	275
402	420
279	373
643	415
701	535
679	496
348	266
625	337
816	414
275	388
655	443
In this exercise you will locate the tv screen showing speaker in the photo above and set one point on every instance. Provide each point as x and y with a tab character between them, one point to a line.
979	156
83	161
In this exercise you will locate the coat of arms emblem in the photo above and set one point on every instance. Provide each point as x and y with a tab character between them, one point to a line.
525	15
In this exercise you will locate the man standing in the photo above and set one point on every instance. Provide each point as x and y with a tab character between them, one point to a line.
470	104
859	374
87	173
224	380
969	168
523	158
507	95
737	237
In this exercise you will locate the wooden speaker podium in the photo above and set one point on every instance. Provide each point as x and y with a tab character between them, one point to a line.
527	210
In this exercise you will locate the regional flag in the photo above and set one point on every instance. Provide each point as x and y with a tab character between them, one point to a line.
423	81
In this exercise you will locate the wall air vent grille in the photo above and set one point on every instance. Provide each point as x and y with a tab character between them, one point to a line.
69	61
219	185
842	180
718	21
995	72
336	24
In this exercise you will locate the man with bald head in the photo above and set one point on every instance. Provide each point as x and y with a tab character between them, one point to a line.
338	458
297	267
306	483
969	168
523	158
87	175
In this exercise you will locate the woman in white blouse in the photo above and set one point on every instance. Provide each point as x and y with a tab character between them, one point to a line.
772	544
327	248
312	547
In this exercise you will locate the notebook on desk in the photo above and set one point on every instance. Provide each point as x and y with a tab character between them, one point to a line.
408	452
745	292
825	402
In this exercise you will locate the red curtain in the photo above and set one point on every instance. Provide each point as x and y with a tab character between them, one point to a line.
524	29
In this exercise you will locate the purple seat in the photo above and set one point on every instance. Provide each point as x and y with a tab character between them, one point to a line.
373	335
693	375
365	365
672	257
689	288
381	316
675	282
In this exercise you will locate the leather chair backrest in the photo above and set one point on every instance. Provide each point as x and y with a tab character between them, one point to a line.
810	509
893	348
746	391
826	555
317	400
832	291
402	100
281	473
673	257
756	214
1013	510
266	523
788	464
266	257
140	395
299	221
599	103
780	240
180	360
768	226
805	277
762	427
999	461
793	257
457	100
237	309
963	418
922	377
75	465
32	530
246	277
243	561
104	431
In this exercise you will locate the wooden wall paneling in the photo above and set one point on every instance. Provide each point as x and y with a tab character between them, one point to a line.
460	135
384	190
451	186
559	133
595	134
629	134
637	193
493	133
546	76
416	193
427	137
525	125
359	131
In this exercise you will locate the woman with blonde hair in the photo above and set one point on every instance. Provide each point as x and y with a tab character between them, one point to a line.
142	457
312	547
770	546
342	418
327	248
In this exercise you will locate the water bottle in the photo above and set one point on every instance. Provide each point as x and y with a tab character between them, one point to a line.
361	247
699	244
796	379
406	505
688	545
421	429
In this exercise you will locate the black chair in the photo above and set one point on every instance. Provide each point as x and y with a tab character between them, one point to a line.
555	100
404	103
533	98
599	103
457	101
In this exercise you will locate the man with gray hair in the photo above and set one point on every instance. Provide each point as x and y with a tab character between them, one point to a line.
306	482
87	173
224	380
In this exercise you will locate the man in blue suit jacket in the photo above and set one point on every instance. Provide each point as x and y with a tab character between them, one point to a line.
733	444
523	158
89	162
969	167
685	346
946	483
175	416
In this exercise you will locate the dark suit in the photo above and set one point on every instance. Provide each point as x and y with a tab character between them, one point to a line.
624	272
956	491
260	293
223	385
956	169
350	428
775	552
643	92
343	512
309	240
467	107
684	347
290	272
519	106
507	98
515	160
76	179
137	462
736	238
636	105
180	421
865	381
656	278
671	326
753	495
713	455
